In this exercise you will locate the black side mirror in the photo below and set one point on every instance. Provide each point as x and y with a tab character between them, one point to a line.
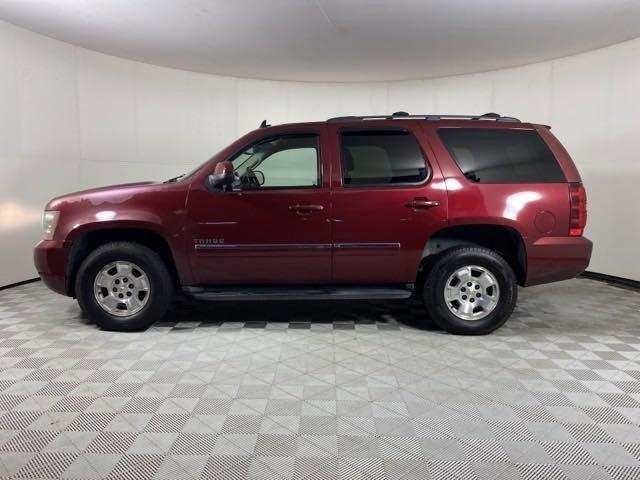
222	177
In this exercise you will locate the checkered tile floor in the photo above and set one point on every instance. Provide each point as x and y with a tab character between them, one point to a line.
323	390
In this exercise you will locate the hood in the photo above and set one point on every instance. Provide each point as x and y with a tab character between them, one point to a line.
112	194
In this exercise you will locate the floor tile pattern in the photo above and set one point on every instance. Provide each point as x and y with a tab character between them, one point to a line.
349	390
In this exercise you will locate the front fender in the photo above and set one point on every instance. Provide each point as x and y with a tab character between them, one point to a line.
141	222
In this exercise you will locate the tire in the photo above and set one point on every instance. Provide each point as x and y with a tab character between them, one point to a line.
494	305
147	271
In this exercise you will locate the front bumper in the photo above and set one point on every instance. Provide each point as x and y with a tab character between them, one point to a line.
50	258
550	259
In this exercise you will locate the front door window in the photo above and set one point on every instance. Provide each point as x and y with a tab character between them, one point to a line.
290	161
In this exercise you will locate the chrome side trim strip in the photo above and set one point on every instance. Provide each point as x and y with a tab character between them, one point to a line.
366	245
285	246
217	223
261	246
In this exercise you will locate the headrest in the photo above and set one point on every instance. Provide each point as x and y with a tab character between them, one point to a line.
347	160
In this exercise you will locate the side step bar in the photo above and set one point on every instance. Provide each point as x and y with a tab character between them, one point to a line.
287	292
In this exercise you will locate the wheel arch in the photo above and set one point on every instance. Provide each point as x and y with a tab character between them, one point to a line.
90	239
504	240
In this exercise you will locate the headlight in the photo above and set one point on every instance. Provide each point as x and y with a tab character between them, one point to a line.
49	222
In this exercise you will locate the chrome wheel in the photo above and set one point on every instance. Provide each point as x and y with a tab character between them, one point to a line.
121	288
471	292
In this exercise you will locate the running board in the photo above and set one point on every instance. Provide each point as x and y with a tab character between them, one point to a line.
320	292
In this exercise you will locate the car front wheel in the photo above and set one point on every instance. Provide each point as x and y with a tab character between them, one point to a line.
124	286
470	291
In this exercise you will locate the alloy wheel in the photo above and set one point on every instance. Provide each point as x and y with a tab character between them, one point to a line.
121	288
471	292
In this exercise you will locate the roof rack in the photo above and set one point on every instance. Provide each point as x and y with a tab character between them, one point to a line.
404	115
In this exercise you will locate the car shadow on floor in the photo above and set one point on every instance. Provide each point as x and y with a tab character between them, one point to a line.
301	314
186	313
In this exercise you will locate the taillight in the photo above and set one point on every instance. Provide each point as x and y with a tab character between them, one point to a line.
578	205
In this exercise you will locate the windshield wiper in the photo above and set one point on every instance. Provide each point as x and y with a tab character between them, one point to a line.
175	179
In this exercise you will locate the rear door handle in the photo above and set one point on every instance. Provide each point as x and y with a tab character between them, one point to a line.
422	203
305	208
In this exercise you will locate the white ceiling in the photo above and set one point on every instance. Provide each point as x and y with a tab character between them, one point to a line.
332	40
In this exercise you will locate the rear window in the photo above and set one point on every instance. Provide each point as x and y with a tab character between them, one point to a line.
502	156
380	157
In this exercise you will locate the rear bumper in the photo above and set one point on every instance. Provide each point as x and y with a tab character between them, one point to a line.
550	259
50	258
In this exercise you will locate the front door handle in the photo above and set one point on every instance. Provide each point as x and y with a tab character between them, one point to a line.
303	208
422	203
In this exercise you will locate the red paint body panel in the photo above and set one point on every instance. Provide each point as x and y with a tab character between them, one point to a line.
157	207
557	258
366	214
50	258
288	246
517	206
263	220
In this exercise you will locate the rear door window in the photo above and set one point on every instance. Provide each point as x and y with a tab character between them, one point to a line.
381	157
502	156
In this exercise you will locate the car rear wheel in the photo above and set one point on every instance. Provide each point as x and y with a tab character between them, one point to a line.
470	291
124	286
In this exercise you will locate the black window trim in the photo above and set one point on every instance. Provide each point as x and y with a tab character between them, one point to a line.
302	133
471	182
383	128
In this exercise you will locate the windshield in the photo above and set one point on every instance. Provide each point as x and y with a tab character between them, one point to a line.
189	174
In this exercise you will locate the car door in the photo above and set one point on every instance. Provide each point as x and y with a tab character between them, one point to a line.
388	199
272	227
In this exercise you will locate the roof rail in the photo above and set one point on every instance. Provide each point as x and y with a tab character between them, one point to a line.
404	115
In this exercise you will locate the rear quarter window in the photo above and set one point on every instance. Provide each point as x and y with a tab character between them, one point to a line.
502	156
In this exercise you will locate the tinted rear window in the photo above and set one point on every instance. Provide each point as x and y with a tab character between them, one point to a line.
379	157
502	156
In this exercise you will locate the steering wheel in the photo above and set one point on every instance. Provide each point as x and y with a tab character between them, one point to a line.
249	179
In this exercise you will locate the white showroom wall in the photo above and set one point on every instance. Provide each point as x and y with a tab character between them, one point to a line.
71	119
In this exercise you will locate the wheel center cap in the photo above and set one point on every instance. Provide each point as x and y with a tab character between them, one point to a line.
122	287
469	292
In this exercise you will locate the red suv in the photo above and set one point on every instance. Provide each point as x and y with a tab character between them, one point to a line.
459	210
